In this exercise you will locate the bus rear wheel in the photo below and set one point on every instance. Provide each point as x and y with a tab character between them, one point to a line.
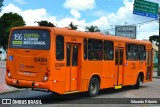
93	88
137	85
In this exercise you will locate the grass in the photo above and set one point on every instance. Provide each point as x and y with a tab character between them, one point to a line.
155	65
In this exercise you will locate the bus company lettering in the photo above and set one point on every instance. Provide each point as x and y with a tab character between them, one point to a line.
33	35
59	64
32	39
34	43
37	59
73	39
133	66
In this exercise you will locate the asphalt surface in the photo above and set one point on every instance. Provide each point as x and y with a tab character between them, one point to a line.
147	91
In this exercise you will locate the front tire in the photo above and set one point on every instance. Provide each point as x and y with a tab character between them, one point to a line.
93	88
137	85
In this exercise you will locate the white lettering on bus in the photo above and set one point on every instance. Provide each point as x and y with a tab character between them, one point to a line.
34	43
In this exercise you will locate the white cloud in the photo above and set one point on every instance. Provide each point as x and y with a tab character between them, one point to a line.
30	16
79	4
99	13
124	15
20	1
10	8
75	13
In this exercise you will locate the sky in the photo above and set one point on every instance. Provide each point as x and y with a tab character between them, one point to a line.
106	14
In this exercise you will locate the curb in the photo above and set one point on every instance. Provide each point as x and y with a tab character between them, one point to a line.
8	89
157	77
4	88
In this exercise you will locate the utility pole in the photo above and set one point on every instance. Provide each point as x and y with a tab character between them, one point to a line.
158	72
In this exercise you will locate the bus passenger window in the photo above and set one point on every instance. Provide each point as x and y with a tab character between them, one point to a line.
75	55
116	57
94	49
142	52
108	50
121	56
68	55
132	52
85	49
59	47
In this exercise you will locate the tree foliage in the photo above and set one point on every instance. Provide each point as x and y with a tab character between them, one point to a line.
154	38
45	23
8	21
1	4
92	29
72	26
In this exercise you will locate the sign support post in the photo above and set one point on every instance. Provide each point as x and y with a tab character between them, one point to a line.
158	72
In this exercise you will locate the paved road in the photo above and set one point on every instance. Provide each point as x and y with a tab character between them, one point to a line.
147	90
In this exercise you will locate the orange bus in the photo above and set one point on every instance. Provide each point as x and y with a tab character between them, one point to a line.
65	61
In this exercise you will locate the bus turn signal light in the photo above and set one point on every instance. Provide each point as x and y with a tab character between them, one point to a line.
47	72
8	72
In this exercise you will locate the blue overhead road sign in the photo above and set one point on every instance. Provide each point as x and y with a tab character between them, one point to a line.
145	14
146	8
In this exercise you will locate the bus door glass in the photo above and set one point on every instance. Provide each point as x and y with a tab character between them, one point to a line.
149	65
119	66
71	66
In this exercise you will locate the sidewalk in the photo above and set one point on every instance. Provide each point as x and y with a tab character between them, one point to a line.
3	64
155	73
3	87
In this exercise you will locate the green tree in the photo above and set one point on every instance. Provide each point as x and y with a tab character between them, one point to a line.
154	38
72	26
8	21
45	23
92	29
1	4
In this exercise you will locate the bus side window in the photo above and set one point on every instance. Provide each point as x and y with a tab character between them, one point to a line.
85	49
132	52
142	52
108	50
94	49
59	47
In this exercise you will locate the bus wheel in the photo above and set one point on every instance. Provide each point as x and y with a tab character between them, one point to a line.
93	87
138	82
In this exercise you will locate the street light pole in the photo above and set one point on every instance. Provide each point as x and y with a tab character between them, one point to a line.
158	73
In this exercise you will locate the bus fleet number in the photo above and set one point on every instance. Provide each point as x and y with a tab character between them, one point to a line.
18	37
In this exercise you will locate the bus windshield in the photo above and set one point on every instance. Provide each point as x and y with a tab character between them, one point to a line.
30	39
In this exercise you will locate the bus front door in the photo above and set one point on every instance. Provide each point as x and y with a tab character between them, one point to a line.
118	67
71	67
149	65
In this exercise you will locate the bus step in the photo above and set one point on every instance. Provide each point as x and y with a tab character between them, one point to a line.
118	87
70	92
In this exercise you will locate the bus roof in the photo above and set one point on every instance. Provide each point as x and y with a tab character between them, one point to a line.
69	32
96	35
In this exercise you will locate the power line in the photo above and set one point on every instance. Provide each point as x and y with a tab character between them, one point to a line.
135	24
